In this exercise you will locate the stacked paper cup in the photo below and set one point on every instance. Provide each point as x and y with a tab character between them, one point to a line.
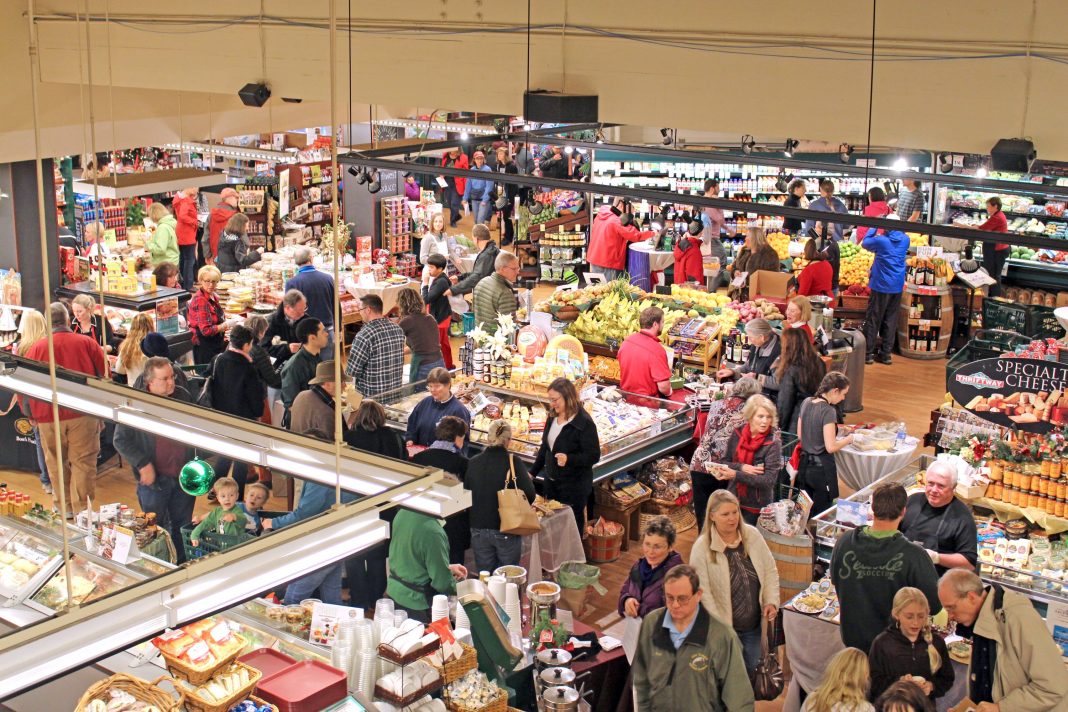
497	586
439	608
461	617
511	607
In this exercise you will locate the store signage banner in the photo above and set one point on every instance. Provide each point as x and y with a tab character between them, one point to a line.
1023	393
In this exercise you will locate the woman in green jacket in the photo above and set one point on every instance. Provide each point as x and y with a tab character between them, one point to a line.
163	245
419	563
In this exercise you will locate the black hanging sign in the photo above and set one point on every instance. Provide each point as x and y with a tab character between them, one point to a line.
1023	393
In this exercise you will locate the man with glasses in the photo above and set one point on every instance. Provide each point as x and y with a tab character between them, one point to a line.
376	359
1015	664
686	658
494	295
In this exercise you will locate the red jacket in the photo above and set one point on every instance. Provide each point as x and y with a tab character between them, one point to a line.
220	215
75	352
997	223
816	279
461	164
689	265
608	240
185	212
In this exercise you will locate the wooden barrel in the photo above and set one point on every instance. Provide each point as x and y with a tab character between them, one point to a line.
793	561
925	323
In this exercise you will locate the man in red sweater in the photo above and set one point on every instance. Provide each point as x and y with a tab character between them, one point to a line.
609	238
185	212
80	433
220	215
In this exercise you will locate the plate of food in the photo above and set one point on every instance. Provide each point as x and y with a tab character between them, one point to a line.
961	651
810	603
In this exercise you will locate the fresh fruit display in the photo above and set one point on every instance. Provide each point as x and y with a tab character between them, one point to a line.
917	240
591	293
616	318
857	290
761	308
705	300
781	242
800	263
726	317
855	264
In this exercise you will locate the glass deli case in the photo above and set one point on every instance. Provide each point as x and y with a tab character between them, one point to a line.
632	429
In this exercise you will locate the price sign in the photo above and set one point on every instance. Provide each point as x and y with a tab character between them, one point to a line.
929	251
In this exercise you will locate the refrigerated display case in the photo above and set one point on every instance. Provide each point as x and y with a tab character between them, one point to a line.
826	530
632	430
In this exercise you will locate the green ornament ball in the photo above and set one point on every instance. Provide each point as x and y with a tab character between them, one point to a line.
196	477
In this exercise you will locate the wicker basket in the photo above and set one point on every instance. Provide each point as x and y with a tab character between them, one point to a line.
499	704
387	652
195	703
147	692
603	548
263	703
455	669
682	517
606	497
854	301
182	671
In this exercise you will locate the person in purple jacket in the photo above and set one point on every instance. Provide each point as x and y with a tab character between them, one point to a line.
643	591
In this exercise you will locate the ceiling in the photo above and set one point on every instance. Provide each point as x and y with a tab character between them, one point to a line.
951	75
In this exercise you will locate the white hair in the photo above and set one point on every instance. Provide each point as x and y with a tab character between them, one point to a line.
945	468
961	582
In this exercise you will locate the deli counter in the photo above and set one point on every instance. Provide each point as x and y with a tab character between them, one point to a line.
632	429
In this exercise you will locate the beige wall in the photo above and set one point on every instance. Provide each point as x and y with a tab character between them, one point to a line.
754	67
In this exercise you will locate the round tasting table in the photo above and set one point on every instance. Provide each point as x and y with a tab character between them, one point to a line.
811	642
643	260
859	468
386	291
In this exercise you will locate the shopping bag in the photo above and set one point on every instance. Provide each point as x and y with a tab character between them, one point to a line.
517	516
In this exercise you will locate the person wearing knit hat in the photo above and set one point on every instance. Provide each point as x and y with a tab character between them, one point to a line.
478	194
764	349
154	344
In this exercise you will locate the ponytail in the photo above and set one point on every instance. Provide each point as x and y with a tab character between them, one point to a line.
833	380
932	653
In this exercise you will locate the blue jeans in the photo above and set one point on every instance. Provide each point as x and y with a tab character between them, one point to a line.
609	273
751	649
173	507
41	462
327	580
482	210
426	368
187	265
494	549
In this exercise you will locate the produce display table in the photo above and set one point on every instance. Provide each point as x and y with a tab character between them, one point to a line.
858	469
811	642
557	542
387	291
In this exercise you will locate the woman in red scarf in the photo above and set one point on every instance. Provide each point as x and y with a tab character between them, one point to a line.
753	458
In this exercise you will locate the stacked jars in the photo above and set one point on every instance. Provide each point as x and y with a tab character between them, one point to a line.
1038	485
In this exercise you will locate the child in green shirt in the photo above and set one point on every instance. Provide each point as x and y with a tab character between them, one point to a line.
227	518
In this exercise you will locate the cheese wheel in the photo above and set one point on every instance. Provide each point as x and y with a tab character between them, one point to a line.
568	342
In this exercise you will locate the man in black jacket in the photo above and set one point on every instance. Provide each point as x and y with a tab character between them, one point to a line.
237	390
280	340
156	462
487	255
300	369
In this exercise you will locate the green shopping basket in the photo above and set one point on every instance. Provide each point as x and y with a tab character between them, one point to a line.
210	542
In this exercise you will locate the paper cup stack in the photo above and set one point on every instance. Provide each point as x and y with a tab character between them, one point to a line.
439	608
511	607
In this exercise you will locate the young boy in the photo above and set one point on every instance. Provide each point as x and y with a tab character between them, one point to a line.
227	518
435	284
256	495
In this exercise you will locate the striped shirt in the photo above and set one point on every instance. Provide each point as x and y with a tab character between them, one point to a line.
908	202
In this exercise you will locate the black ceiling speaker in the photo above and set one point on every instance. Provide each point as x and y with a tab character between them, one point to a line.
556	108
254	94
1012	154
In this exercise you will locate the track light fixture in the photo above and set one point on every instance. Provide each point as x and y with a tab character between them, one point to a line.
844	152
599	136
969	265
354	171
374	185
501	203
747	144
665	136
790	147
783	181
891	189
361	176
945	162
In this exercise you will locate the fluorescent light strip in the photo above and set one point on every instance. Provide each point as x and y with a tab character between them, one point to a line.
193	437
99	647
437	126
33	390
252	154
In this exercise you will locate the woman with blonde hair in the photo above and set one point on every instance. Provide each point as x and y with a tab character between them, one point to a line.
739	581
85	320
32	328
844	686
907	650
132	359
753	457
487	474
163	245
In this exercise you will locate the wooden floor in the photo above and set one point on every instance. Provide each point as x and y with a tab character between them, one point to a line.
905	391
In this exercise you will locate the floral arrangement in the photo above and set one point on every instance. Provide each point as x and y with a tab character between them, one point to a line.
1023	448
339	241
499	343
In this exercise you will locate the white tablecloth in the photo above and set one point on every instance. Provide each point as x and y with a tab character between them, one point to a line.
557	542
812	642
388	292
467	263
659	260
859	469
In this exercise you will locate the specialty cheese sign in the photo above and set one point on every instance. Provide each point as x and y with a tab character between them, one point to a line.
1024	393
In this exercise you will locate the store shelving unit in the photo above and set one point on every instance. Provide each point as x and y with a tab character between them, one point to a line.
396	223
110	212
310	193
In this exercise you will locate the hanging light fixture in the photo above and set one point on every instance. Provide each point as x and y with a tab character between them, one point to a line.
790	147
844	152
900	164
783	181
373	183
747	144
665	136
599	136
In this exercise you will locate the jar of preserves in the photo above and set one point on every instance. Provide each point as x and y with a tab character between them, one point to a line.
1023	480
1043	468
1010	495
994	491
1009	475
996	470
1062	488
1047	505
1058	507
1043	485
1056	466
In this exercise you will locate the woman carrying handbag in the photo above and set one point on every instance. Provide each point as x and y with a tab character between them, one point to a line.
569	450
488	474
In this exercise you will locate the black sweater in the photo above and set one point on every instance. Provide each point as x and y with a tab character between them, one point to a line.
382	441
578	440
278	325
893	655
236	387
451	462
792	393
434	296
486	475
